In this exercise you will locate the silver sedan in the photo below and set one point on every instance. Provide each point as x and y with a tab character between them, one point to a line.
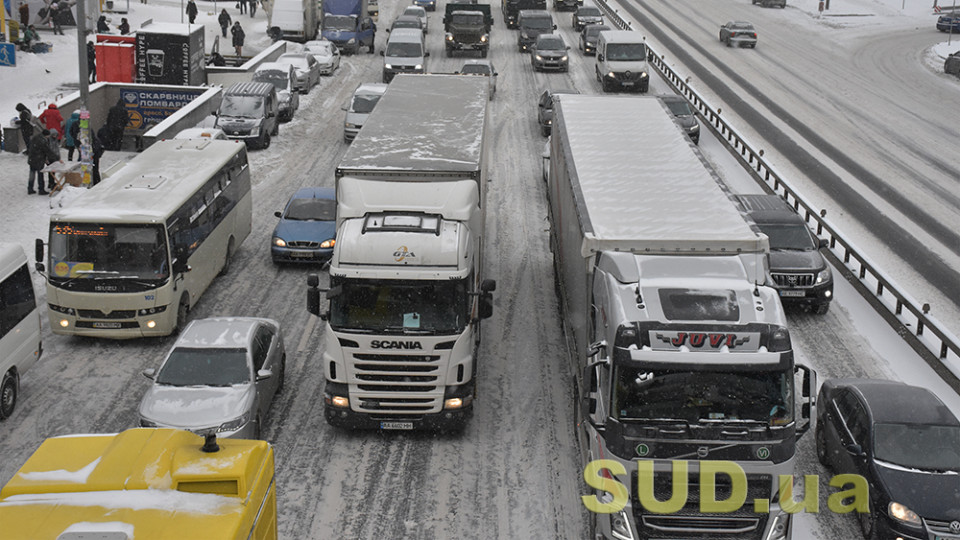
307	68
326	53
220	377
739	33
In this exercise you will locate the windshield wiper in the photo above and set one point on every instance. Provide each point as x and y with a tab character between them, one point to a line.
353	330
404	330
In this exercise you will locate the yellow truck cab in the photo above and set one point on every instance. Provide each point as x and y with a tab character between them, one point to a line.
145	484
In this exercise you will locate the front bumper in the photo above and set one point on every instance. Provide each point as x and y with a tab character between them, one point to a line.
119	324
554	64
635	82
815	295
300	255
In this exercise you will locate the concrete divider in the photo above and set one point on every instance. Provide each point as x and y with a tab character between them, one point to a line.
228	75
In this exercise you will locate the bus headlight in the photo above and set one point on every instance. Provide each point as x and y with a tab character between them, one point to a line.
150	311
327	244
64	310
279	242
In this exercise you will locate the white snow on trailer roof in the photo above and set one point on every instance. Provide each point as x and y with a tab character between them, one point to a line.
641	183
170	28
152	185
423	123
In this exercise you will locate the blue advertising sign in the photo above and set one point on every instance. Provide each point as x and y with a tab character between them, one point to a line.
8	54
150	107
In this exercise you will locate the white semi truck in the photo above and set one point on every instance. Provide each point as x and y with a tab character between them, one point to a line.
407	289
681	347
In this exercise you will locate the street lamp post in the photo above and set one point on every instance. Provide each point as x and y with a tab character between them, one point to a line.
85	135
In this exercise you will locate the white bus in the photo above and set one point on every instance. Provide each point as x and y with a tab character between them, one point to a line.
20	345
130	257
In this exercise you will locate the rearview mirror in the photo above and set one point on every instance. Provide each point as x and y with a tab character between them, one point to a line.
150	373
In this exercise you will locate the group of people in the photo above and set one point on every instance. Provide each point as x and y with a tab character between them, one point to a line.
44	135
104	28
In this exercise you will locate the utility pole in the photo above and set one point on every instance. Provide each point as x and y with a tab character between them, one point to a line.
86	148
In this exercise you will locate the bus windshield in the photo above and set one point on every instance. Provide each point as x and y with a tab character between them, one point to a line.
700	396
86	251
402	307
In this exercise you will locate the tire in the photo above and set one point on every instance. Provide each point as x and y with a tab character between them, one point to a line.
821	444
9	389
607	87
258	431
183	312
276	129
545	131
821	309
265	143
225	269
868	524
483	53
282	375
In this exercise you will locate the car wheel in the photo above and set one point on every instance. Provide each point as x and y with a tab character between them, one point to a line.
596	70
282	375
257	428
821	309
544	131
225	269
266	141
868	524
821	441
605	84
8	394
183	311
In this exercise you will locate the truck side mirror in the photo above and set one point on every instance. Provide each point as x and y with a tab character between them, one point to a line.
426	54
485	306
599	57
180	261
381	53
488	285
313	295
38	255
554	27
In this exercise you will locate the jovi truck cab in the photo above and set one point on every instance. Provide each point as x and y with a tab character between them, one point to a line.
407	288
681	347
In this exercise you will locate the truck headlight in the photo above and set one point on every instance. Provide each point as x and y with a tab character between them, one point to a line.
255	131
483	38
643	75
351	41
902	513
235	424
538	57
279	242
824	276
620	526
388	66
612	75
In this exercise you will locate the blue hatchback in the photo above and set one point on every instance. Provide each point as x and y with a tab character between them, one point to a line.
429	5
949	23
307	228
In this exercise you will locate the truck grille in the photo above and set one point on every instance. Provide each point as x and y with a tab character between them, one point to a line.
387	383
792	280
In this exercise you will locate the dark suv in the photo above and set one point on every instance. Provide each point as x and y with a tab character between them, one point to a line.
799	271
532	23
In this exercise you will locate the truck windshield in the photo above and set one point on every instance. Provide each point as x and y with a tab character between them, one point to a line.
472	19
387	306
242	106
627	52
339	22
703	396
87	252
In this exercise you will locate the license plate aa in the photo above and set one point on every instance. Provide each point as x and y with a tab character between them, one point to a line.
627	83
106	325
793	293
396	425
301	254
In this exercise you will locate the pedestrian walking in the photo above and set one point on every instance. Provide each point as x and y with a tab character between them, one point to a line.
51	118
71	139
97	147
238	36
192	11
102	26
24	14
117	118
53	142
55	18
37	159
225	20
26	125
253	8
124	27
92	61
242	5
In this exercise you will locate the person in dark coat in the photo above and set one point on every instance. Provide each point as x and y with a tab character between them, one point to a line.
24	14
52	119
238	37
242	4
124	27
192	11
40	154
117	118
71	138
92	61
102	26
97	147
26	125
224	19
55	18
253	8
53	141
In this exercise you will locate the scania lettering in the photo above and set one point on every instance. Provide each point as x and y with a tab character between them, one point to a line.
681	345
130	258
407	289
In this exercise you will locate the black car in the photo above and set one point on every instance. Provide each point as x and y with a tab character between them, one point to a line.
545	108
589	36
586	15
532	23
681	109
800	273
549	52
904	442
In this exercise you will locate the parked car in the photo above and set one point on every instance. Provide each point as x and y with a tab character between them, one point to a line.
589	36
201	133
406	21
420	13
799	271
429	5
284	78
949	23
326	53
361	104
481	67
739	33
219	377
951	66
770	3
545	108
903	441
306	67
585	15
685	115
307	230
549	52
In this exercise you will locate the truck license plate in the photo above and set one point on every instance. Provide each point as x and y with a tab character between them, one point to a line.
106	325
796	294
396	425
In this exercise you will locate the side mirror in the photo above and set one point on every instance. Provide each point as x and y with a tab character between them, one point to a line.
426	54
488	285
381	52
38	250
313	296
855	450
180	265
599	57
278	214
150	373
822	243
485	306
554	27
264	374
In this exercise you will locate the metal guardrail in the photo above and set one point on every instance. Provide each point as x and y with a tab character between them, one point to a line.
942	346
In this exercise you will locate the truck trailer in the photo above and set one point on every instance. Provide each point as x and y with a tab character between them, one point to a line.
681	349
297	19
407	288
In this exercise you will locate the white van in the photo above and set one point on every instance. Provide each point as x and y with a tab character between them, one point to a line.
20	345
622	61
404	53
